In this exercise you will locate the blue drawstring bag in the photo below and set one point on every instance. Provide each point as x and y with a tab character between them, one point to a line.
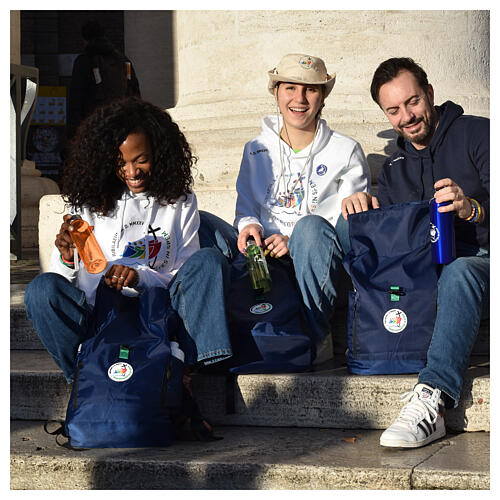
269	334
392	310
127	386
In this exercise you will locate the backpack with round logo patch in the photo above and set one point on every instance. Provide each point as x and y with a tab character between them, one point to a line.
392	310
127	388
269	333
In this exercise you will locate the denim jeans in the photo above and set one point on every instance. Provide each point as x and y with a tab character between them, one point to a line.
463	298
215	232
60	314
316	249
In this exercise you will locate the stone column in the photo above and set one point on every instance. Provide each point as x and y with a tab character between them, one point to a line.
150	46
222	60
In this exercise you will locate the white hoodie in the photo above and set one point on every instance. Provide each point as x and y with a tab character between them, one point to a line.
336	168
155	240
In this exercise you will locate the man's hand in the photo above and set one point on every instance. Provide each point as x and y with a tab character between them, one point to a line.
250	231
119	276
448	190
63	242
358	202
277	244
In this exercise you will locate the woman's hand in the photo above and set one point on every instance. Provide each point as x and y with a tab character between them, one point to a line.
448	190
250	231
119	276
63	242
277	244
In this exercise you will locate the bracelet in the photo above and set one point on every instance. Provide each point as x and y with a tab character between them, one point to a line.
474	210
67	263
479	217
477	211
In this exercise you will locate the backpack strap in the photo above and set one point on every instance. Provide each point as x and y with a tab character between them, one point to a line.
60	431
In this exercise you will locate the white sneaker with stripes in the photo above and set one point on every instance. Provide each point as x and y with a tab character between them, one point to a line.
420	421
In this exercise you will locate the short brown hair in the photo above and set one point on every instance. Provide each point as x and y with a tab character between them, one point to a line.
390	69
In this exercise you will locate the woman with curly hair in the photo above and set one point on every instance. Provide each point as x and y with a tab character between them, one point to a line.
128	174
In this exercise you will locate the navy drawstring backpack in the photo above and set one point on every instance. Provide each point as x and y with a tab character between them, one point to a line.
392	309
269	333
127	386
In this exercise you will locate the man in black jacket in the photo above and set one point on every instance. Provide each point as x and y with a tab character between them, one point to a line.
444	154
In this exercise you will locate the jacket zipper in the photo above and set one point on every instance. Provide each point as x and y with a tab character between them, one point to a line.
354	348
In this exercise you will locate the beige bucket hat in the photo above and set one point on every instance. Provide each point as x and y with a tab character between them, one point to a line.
301	68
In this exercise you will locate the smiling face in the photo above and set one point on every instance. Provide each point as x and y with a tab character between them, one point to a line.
135	162
299	104
409	108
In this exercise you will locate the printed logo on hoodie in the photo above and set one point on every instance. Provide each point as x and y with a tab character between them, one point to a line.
151	250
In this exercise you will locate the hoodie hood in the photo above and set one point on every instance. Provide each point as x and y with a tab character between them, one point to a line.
448	113
271	131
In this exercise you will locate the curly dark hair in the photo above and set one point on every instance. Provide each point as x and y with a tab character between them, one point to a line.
90	173
389	69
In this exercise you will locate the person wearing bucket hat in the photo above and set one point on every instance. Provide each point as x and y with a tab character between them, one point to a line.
291	182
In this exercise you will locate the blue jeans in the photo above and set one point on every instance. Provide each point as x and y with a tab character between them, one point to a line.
60	313
215	232
463	298
316	249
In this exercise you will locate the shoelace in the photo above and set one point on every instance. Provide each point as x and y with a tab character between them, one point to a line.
417	409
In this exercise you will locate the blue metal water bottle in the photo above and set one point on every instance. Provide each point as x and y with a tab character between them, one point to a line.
442	233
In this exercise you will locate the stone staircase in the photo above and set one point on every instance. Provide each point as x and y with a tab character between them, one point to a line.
316	430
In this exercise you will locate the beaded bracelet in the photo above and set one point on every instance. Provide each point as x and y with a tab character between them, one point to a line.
473	212
477	211
480	211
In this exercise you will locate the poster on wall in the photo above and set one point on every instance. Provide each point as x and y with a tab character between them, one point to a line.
47	131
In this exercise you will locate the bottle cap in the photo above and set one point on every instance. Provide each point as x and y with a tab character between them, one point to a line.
75	217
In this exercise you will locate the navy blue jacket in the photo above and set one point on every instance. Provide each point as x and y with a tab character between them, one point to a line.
459	150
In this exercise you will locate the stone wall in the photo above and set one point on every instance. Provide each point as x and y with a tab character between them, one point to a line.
222	58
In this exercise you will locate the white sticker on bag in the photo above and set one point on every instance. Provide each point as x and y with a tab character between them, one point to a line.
119	372
262	308
395	320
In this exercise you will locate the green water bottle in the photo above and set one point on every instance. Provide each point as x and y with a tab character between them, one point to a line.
257	268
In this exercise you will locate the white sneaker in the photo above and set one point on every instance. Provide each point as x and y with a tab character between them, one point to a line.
420	421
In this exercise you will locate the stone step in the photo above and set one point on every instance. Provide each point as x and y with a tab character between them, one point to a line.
254	459
328	397
23	335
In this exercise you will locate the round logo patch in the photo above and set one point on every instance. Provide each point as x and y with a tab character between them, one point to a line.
395	320
434	233
119	372
305	62
321	169
262	308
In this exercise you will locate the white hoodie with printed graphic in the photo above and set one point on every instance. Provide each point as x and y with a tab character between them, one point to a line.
155	240
275	190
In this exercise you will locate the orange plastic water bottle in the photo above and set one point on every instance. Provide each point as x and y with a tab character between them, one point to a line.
88	249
